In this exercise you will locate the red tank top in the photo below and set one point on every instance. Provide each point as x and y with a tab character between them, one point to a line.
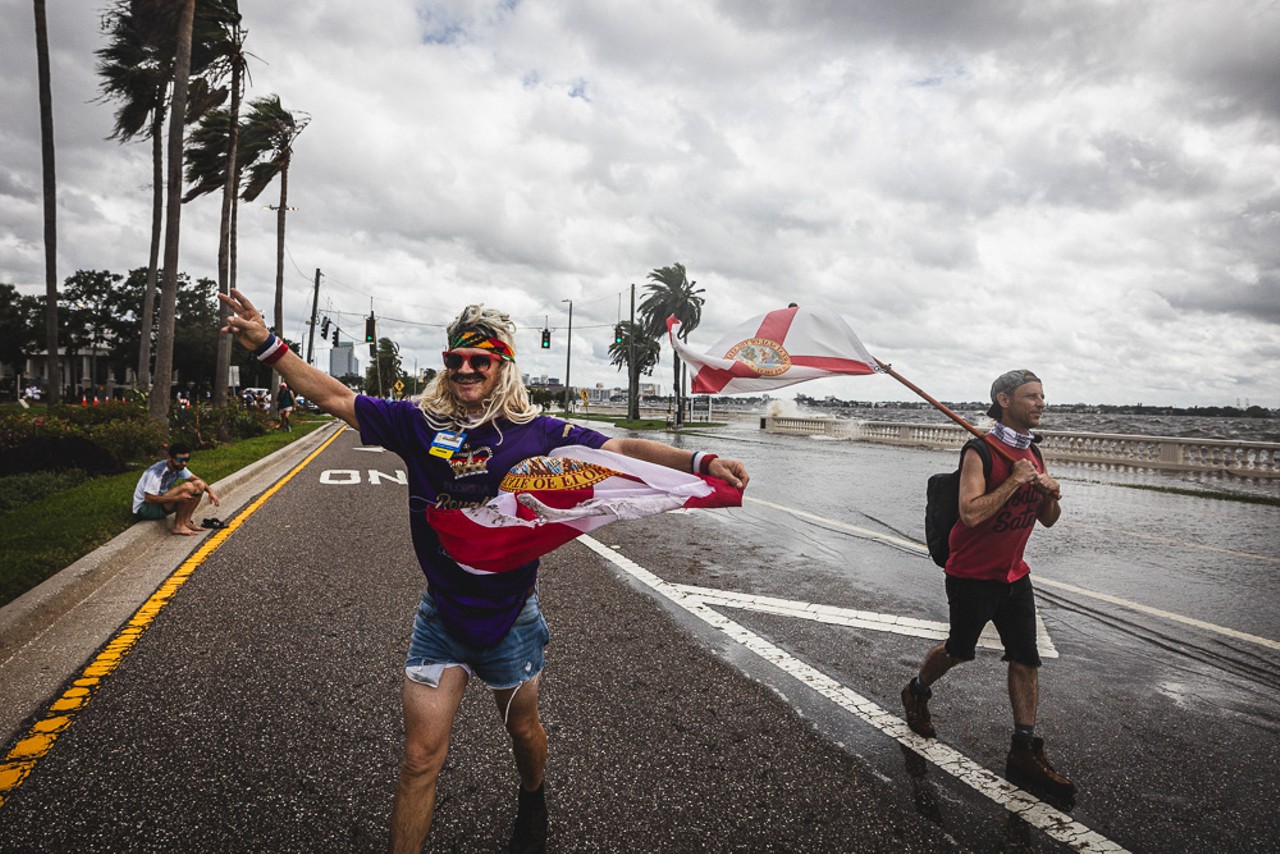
993	550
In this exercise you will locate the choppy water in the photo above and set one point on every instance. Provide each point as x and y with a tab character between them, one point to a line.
1185	426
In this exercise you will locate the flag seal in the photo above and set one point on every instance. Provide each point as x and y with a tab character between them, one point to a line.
539	474
766	357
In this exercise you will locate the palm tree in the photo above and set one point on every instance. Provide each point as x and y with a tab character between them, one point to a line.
213	145
137	69
647	352
50	206
159	402
671	292
268	136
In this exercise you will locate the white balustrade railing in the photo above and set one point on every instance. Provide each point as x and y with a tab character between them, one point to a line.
1248	459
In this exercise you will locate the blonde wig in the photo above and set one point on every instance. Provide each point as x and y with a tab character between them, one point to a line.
510	399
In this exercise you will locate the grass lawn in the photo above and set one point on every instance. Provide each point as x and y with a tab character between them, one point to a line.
64	516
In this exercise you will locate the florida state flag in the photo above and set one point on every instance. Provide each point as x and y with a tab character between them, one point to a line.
545	502
777	349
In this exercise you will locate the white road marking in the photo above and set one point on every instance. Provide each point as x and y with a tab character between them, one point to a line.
1156	612
372	449
836	616
1030	809
1039	579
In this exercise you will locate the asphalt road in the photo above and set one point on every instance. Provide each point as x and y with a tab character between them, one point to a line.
717	681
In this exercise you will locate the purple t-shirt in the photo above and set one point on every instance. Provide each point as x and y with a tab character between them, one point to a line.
476	609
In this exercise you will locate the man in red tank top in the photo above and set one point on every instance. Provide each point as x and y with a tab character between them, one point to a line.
987	579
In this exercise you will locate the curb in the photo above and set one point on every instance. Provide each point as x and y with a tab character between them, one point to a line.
36	610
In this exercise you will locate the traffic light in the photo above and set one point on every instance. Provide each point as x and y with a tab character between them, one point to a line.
617	334
324	328
370	335
546	339
335	336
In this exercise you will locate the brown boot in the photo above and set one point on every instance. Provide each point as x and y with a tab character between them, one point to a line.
1026	764
917	706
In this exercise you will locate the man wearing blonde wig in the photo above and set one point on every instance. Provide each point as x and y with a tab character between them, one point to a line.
471	425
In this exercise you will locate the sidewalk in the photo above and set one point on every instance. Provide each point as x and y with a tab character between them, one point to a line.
50	631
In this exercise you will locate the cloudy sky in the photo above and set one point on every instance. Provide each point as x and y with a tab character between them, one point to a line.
1089	189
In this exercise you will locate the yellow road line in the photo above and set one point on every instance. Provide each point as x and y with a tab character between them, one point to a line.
39	739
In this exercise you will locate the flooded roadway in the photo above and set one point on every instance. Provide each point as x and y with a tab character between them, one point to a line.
1158	607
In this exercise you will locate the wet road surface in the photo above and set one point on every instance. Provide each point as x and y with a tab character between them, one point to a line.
260	711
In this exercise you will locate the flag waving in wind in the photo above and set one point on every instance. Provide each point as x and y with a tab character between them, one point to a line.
777	349
544	502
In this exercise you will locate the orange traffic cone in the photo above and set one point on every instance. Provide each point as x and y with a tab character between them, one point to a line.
83	402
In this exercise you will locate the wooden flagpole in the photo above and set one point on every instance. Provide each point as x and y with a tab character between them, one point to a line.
998	446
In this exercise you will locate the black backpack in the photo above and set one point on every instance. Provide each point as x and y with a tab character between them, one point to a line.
942	501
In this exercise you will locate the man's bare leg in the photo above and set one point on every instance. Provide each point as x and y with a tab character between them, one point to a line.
428	718
1024	693
519	707
188	499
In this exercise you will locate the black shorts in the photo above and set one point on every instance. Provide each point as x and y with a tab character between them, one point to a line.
1012	607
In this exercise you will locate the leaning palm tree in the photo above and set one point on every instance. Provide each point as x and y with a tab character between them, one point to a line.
136	68
50	206
671	292
268	136
212	146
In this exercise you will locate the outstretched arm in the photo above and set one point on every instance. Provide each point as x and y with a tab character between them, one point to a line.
732	471
248	327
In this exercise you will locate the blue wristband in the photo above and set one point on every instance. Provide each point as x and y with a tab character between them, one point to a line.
265	345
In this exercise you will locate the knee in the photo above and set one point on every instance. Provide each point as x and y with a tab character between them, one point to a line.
423	761
525	729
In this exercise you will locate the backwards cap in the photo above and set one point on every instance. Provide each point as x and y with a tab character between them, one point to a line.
1005	384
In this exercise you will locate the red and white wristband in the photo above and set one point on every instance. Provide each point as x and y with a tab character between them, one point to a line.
700	462
272	350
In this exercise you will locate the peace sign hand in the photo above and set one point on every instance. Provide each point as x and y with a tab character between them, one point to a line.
245	323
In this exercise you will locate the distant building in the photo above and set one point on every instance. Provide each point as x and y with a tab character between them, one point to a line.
342	360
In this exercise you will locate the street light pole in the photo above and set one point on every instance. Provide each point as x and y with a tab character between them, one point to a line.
568	354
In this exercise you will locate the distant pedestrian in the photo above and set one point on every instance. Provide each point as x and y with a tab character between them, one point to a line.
284	405
471	425
987	579
169	487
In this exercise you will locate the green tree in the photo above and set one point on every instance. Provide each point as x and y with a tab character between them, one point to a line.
50	188
671	293
647	352
96	311
19	328
381	376
196	327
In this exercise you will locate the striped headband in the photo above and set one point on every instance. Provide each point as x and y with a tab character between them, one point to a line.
478	340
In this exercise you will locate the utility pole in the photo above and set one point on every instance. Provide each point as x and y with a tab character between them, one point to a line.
568	353
315	305
633	376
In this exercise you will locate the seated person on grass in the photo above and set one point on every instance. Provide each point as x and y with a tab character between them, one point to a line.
170	487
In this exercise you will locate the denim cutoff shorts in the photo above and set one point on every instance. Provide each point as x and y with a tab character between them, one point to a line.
515	659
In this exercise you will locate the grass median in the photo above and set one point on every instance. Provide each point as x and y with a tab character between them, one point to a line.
50	520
